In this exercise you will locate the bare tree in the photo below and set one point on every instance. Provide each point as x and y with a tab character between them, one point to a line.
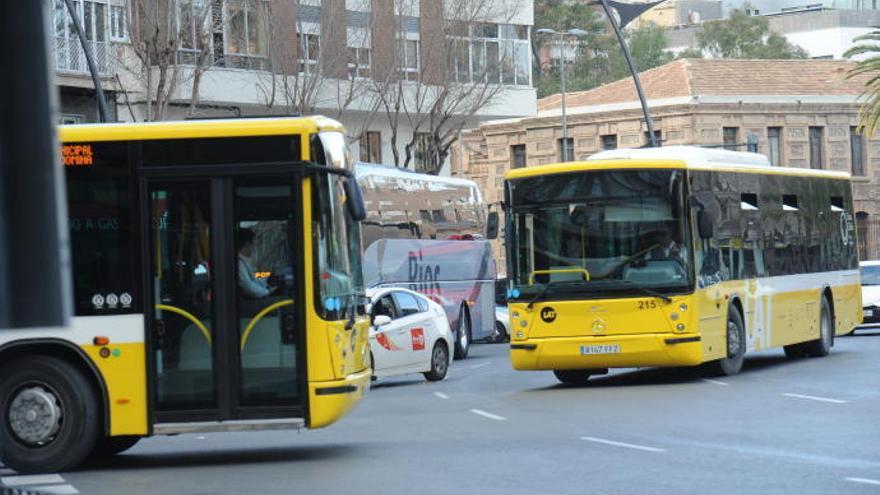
310	65
170	46
450	78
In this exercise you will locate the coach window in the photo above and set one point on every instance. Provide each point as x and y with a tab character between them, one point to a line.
789	202
100	217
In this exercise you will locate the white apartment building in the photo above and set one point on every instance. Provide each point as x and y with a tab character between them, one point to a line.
825	33
410	71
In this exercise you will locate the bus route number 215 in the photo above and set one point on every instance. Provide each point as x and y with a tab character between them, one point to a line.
649	304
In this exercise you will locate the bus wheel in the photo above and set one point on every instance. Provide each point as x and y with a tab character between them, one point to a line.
736	345
462	335
572	377
439	362
794	351
822	346
109	446
49	415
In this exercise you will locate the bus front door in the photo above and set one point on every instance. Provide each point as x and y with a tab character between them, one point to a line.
226	336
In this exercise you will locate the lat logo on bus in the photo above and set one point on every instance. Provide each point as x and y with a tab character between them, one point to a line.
548	314
77	155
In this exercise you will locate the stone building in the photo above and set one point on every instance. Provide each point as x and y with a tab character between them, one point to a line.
800	113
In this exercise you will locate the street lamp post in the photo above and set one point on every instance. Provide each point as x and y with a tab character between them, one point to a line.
571	32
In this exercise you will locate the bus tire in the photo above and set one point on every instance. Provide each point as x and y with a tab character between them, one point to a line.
462	335
794	351
735	342
109	446
822	346
50	415
439	362
572	377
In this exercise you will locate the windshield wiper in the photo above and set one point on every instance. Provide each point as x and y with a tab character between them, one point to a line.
541	293
647	291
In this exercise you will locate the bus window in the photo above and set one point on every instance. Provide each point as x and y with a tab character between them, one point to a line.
100	217
268	330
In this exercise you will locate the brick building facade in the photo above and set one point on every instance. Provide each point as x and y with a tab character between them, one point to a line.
800	113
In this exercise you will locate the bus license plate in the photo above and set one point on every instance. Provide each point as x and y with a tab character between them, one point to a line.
867	313
587	350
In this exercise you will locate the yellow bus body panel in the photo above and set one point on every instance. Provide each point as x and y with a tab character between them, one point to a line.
337	359
647	335
639	326
124	372
188	129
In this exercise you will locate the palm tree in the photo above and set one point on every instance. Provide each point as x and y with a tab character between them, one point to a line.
870	66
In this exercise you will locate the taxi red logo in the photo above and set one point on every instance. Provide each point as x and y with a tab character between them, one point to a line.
418	338
386	343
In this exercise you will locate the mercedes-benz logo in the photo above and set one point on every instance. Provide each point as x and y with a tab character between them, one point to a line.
598	325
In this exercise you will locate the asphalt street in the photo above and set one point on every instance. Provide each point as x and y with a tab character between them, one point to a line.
781	426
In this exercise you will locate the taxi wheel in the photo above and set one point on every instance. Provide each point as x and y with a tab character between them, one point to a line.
500	333
439	362
572	377
462	335
49	415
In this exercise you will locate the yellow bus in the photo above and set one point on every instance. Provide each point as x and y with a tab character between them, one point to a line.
676	256
217	286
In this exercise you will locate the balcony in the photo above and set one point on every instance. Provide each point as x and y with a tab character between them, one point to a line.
69	56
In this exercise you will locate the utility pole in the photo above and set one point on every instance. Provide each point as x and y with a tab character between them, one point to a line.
34	260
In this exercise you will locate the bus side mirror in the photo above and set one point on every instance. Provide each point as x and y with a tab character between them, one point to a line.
705	225
354	199
492	225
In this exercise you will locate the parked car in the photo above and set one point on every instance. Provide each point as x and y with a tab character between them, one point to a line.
502	316
409	334
870	274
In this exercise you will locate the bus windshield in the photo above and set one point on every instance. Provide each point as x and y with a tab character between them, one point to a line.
591	233
340	276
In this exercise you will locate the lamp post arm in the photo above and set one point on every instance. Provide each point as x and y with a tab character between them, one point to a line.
103	113
632	70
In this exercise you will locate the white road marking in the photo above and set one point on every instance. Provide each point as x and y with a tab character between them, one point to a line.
200	437
55	489
480	412
715	382
863	480
622	444
34	479
441	395
813	397
478	366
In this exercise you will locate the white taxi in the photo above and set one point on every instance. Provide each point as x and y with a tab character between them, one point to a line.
409	334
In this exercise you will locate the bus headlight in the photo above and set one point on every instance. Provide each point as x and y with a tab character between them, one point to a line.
679	327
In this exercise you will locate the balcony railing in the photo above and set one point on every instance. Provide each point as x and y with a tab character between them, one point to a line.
69	56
